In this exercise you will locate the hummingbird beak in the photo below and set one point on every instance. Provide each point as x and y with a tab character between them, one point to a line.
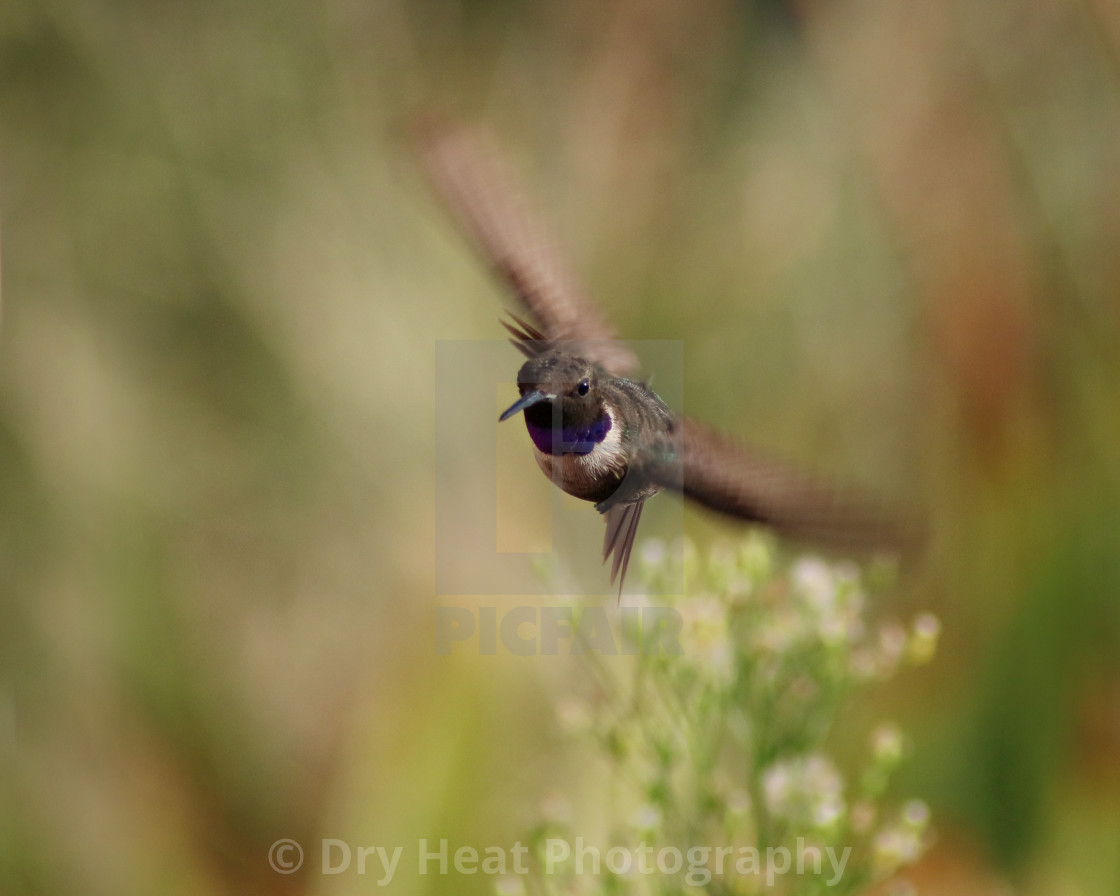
526	400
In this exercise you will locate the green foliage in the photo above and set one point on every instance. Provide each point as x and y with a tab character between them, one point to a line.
720	753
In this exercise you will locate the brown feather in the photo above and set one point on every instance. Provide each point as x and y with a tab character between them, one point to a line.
480	191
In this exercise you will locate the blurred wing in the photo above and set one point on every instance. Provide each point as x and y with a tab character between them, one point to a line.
622	527
713	470
481	193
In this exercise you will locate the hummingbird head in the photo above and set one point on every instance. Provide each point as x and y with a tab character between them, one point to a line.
563	404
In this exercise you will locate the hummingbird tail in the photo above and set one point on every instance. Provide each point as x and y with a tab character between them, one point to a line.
622	527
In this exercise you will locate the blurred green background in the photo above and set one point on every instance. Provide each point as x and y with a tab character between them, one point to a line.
886	233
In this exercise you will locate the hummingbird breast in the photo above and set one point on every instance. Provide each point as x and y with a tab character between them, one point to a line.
594	475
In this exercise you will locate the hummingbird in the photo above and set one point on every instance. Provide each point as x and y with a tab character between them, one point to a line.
598	432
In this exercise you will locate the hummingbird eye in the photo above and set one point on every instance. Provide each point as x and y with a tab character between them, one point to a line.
584	387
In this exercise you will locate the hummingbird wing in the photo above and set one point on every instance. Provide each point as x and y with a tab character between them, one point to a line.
481	193
715	471
622	527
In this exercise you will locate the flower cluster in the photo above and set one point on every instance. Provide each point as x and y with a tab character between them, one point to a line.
725	743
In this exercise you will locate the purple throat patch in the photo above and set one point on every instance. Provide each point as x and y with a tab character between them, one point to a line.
569	439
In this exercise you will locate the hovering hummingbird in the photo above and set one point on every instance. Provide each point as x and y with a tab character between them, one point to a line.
598	433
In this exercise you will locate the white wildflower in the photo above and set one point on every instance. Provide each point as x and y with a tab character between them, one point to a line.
832	597
863	816
896	846
781	630
805	789
892	643
864	664
916	814
573	715
555	809
903	842
924	633
705	638
886	744
509	886
813	579
738	803
647	818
